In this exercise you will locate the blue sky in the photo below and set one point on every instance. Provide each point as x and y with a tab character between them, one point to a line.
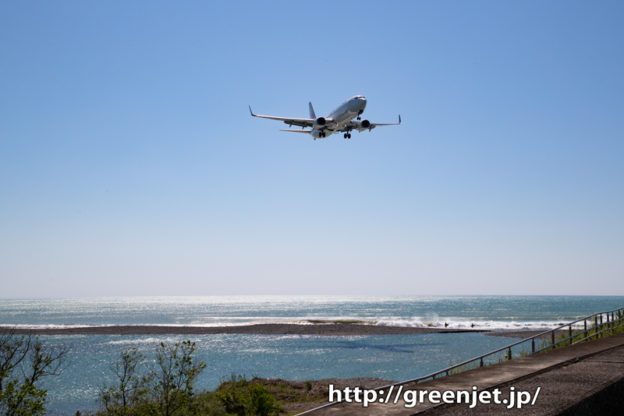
129	164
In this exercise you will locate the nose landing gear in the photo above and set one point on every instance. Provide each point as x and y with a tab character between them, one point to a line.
347	135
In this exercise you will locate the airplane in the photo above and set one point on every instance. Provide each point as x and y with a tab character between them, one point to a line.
340	120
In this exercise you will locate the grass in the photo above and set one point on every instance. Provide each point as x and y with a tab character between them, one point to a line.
612	328
544	344
466	367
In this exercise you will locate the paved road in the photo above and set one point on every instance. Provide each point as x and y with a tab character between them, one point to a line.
571	380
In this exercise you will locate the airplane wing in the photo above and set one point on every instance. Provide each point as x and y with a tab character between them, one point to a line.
387	124
296	131
303	122
361	126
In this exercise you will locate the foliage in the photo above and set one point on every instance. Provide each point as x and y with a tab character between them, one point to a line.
131	391
24	362
174	376
165	389
246	398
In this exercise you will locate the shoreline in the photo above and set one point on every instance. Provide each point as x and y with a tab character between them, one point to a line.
323	329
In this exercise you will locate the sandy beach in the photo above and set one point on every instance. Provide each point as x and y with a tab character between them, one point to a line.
328	329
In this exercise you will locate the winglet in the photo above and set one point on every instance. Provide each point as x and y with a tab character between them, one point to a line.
399	117
251	112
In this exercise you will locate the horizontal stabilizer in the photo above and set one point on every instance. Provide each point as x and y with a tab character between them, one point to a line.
297	131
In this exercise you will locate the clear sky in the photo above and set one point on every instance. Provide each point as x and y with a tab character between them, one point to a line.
129	164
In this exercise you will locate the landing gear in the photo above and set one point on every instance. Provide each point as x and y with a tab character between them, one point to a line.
347	135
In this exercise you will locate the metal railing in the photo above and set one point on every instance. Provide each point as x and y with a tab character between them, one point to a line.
603	321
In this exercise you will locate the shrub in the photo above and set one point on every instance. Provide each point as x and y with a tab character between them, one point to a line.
163	390
247	398
24	361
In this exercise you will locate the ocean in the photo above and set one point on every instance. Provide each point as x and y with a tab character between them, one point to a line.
295	357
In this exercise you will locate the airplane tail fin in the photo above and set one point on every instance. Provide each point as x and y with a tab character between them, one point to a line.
312	114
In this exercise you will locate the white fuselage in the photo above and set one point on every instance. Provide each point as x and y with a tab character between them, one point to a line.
341	116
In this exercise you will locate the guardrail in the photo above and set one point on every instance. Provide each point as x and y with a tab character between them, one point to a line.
603	321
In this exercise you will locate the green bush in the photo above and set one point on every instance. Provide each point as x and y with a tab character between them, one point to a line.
24	361
247	398
166	389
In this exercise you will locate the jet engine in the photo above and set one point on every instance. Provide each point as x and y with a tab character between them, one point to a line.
319	122
365	124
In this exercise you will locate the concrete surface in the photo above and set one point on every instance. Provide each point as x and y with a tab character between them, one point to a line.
586	378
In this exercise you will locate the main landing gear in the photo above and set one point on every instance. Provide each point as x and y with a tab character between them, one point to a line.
347	135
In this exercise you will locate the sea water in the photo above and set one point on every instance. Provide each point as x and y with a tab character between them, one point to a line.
296	357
